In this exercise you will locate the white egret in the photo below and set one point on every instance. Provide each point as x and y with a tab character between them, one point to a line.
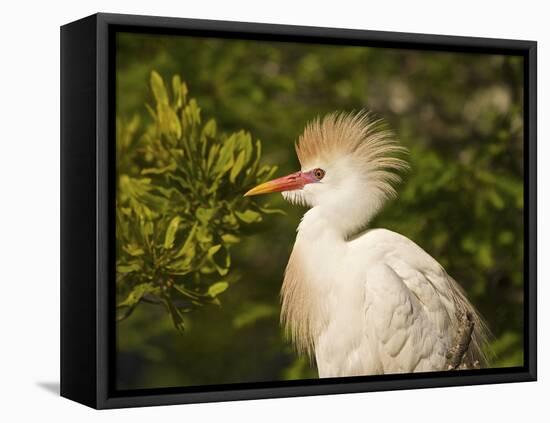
370	302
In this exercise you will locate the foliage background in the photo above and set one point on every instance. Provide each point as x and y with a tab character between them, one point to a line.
460	115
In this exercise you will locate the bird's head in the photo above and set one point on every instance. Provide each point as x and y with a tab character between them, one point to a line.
349	166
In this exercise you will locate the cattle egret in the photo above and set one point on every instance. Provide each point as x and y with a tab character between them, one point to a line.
363	302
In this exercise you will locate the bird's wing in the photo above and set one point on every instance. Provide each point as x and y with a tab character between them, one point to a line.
409	309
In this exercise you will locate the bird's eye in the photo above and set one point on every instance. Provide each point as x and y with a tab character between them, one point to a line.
319	173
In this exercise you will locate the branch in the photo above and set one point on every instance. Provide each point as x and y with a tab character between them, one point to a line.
457	355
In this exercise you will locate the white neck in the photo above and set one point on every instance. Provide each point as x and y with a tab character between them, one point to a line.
341	220
317	227
308	277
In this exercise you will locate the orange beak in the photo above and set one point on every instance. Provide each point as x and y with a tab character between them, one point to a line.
286	183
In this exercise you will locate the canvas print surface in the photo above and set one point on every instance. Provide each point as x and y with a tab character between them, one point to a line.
291	211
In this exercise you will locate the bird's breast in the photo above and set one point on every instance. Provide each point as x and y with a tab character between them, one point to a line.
322	304
306	296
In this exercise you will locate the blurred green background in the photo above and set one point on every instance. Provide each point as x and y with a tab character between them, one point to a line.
461	117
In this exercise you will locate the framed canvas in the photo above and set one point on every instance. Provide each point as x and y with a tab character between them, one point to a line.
401	253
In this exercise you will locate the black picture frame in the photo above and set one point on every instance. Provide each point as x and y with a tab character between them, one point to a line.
87	198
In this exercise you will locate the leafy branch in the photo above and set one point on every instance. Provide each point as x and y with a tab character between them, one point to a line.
179	206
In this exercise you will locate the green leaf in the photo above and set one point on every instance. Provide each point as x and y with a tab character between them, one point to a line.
247	147
230	239
209	129
137	294
185	248
203	235
192	113
134	267
159	170
213	250
133	250
225	158
168	122
237	167
171	232
177	317
211	156
158	88
267	210
225	263
188	293
176	89
249	216
217	288
204	215
184	91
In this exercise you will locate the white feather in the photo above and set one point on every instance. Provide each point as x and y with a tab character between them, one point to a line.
368	303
